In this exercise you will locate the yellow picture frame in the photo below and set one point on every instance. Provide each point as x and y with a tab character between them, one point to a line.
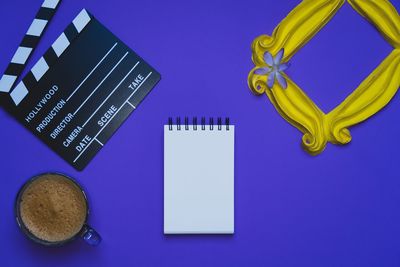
375	92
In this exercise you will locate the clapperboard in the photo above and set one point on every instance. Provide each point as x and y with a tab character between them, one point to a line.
80	91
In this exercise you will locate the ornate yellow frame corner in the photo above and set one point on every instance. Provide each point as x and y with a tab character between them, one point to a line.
294	105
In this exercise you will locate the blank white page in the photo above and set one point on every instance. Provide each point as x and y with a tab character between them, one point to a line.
199	180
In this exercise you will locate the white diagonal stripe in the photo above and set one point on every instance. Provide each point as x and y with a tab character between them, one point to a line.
21	55
40	69
19	93
81	20
37	27
50	3
6	82
60	44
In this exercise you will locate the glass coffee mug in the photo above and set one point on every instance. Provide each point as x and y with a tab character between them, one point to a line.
52	210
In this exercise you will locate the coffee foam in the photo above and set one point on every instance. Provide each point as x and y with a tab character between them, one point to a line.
53	208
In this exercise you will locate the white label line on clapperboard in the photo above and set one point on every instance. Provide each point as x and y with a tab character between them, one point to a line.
91	72
112	117
131	105
98	86
112	92
99	142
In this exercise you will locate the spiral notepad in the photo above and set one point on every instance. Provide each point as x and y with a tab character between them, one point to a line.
199	177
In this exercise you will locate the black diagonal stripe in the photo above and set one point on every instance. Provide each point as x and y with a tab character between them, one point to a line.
50	56
71	32
14	69
45	13
30	41
30	81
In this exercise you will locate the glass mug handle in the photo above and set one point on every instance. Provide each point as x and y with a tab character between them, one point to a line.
90	235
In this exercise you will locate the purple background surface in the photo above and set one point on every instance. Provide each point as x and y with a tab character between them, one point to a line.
340	208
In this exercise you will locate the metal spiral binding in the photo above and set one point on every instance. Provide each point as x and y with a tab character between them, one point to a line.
178	123
170	123
195	123
186	123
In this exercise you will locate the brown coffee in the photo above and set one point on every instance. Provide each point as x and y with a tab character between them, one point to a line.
53	208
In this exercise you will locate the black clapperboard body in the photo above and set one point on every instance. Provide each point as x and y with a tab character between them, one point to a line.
81	90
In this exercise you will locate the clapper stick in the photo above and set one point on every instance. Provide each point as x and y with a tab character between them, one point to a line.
26	48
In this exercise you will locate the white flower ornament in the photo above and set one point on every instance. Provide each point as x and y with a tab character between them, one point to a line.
274	69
